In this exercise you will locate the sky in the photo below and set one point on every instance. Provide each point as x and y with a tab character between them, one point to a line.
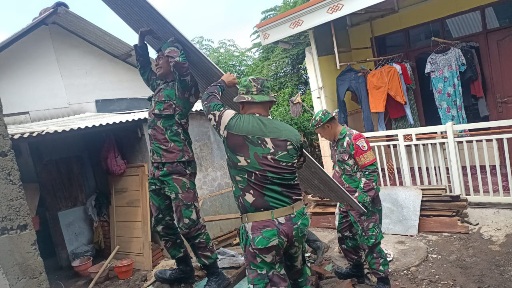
217	20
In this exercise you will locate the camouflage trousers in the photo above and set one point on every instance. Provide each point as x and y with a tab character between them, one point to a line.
360	236
275	251
175	209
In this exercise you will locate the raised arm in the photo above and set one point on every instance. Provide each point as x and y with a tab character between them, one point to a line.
143	60
218	114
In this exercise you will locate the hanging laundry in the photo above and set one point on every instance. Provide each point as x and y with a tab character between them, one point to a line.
382	82
354	81
476	85
444	70
403	122
394	108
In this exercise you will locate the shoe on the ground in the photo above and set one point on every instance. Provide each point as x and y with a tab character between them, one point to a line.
383	282
354	271
182	274
216	278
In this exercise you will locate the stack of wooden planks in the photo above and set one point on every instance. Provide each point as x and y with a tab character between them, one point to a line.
157	254
441	212
321	212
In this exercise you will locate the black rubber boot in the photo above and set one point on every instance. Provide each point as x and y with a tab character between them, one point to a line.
383	282
216	278
182	274
354	271
318	246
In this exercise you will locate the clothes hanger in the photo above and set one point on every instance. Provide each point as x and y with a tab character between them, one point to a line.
439	48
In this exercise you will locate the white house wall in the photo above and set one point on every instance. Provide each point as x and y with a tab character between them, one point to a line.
52	73
89	73
29	75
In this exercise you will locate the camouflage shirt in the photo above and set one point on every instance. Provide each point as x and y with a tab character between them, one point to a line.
170	106
263	155
355	165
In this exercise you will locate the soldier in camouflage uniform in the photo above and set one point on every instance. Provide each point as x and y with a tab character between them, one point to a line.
173	194
263	156
355	169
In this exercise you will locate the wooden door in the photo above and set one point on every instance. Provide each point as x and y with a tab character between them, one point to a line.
62	186
500	51
129	216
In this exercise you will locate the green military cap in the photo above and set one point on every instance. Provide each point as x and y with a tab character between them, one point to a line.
171	48
254	89
321	117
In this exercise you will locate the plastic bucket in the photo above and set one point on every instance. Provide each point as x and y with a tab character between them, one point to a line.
94	270
81	265
124	268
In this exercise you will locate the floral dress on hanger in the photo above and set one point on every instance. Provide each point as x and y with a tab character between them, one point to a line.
444	70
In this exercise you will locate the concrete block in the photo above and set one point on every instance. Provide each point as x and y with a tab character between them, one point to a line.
20	261
400	209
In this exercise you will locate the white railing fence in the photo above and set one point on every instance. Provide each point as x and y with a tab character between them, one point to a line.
470	159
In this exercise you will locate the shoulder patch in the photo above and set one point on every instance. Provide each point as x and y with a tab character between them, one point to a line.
363	153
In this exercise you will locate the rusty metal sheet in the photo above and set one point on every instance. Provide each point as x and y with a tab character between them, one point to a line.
141	14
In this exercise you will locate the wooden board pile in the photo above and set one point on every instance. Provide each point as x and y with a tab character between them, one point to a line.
442	212
321	212
157	254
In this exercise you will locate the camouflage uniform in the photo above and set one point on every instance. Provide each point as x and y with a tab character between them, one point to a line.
173	194
355	169
263	156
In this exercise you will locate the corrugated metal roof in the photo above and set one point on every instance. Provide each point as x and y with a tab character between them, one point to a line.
83	29
71	123
77	122
140	14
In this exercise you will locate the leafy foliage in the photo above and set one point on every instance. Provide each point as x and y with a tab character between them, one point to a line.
226	54
284	67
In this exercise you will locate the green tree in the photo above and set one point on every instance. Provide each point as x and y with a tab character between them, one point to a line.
286	70
226	54
284	67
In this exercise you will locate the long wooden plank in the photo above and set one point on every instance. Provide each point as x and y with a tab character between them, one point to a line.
140	14
322	209
129	229
324	221
443	205
131	245
453	198
130	217
128	199
127	183
433	192
128	214
445	213
442	225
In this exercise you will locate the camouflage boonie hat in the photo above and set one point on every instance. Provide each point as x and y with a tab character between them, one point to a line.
172	49
254	89
321	117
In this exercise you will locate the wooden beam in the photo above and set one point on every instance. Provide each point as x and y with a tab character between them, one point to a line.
324	221
442	225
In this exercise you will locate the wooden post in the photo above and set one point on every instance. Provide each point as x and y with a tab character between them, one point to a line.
103	267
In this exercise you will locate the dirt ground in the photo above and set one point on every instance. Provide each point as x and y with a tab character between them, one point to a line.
481	259
464	261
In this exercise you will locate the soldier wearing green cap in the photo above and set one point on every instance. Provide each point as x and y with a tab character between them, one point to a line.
263	156
355	169
173	194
